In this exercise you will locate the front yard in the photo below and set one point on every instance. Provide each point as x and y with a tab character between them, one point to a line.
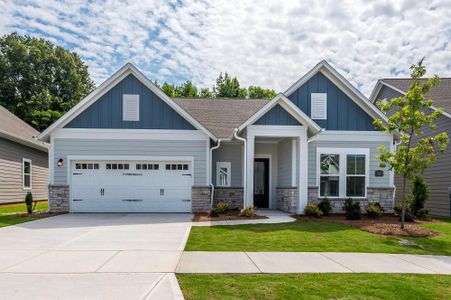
315	236
17	213
315	286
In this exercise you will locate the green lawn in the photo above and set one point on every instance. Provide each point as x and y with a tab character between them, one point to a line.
315	286
7	212
312	236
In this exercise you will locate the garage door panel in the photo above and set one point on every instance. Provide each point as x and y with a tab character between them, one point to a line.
130	188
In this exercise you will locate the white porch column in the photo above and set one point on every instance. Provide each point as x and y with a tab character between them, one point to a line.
249	197
303	172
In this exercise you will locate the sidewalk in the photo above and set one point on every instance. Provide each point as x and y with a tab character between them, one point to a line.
311	262
274	216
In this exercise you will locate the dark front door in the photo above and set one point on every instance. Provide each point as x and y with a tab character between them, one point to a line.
261	182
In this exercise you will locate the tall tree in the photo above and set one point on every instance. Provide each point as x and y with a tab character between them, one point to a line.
228	87
411	114
168	89
258	92
40	81
205	93
186	90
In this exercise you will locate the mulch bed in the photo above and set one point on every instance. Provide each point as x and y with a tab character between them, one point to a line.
387	225
203	217
36	214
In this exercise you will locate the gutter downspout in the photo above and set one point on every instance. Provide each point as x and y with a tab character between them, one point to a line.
235	135
211	171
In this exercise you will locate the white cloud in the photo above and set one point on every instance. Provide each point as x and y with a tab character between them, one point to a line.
269	43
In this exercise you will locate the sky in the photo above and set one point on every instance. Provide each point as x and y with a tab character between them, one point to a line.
266	43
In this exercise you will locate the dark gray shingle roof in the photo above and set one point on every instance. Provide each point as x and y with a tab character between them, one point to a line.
221	116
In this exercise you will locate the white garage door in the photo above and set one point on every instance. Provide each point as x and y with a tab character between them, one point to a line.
131	186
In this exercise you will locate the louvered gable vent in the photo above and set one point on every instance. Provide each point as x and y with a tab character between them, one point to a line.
319	106
130	107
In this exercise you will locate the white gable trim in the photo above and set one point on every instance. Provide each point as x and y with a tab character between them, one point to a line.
381	83
345	86
122	73
289	106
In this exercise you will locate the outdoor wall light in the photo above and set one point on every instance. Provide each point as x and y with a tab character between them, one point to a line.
60	162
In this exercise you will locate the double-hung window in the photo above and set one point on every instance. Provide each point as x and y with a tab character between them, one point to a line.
26	173
343	172
223	173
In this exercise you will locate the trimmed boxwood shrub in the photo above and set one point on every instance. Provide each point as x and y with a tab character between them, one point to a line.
313	210
374	210
352	209
325	207
248	212
222	207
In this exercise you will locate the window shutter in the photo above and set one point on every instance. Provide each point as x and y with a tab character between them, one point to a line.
130	107
319	106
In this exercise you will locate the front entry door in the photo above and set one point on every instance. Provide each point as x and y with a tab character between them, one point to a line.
261	182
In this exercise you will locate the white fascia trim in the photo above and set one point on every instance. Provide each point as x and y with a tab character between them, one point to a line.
123	72
403	93
36	145
358	136
376	90
289	106
130	134
129	158
333	75
276	131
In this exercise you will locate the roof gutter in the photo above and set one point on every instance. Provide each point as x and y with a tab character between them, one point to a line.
235	135
211	171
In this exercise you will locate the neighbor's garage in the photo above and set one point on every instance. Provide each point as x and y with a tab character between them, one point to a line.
131	186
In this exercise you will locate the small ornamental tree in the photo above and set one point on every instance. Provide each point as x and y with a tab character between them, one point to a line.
410	114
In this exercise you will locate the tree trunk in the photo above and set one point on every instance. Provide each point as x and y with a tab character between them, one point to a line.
403	204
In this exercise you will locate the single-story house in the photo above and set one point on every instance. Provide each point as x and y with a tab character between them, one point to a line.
438	175
128	147
23	160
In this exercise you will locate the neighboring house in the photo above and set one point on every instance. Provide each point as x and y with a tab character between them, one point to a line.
128	147
438	175
23	160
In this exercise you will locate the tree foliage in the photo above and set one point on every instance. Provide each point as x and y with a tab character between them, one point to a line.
40	81
412	114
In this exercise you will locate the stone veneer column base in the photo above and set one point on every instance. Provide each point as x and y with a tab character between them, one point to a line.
59	198
200	199
231	195
287	199
383	195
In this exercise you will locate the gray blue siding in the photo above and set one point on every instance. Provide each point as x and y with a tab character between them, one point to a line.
285	163
233	153
196	149
277	116
374	181
107	111
342	112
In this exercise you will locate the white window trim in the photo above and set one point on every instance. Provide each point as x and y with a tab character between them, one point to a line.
312	106
343	152
126	100
224	164
24	160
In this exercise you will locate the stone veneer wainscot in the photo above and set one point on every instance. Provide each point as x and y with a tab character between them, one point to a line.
59	198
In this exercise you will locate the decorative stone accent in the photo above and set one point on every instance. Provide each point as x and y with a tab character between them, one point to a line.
287	199
200	199
231	195
382	195
59	198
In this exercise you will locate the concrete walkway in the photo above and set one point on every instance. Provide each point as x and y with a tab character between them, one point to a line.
311	262
274	216
93	256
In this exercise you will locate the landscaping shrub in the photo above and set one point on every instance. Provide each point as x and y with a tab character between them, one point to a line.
420	193
423	214
29	202
213	214
222	207
325	206
248	211
374	210
313	210
352	209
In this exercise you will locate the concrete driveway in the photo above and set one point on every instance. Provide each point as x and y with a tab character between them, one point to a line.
113	256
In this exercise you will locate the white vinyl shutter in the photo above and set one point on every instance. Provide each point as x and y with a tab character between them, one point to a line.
130	107
319	106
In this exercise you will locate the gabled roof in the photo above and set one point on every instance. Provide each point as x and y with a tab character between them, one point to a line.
441	94
352	92
13	128
221	115
106	86
289	106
